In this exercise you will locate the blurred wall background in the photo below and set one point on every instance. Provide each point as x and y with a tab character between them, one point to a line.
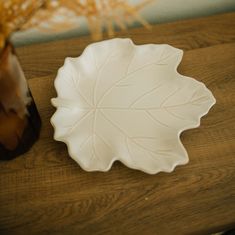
159	11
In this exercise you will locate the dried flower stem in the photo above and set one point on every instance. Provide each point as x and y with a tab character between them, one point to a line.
17	14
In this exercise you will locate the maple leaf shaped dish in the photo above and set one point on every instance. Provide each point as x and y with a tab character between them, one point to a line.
120	101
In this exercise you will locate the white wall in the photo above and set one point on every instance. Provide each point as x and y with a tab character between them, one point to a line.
158	12
170	10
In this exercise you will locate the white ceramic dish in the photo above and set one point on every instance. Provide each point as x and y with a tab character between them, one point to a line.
120	101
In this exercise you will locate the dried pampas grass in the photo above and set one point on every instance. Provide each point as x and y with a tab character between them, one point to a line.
41	14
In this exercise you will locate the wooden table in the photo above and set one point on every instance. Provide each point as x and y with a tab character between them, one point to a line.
46	192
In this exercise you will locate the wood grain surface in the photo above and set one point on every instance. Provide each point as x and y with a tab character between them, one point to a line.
46	192
44	59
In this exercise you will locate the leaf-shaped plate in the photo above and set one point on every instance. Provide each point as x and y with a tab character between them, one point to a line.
120	101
